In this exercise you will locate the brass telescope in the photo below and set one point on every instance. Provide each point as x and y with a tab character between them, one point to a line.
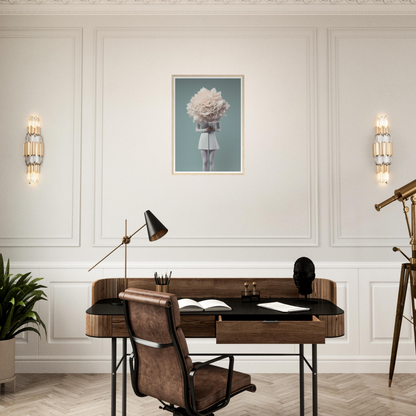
400	194
408	270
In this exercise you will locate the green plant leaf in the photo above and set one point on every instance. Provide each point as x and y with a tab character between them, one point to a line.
41	323
6	273
23	279
22	322
18	296
37	280
27	328
11	294
1	270
3	334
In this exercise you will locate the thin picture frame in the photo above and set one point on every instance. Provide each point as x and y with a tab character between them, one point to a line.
188	154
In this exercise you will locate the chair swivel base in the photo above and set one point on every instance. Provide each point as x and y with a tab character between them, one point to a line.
177	411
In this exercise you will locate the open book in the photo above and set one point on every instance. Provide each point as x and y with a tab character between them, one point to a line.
190	305
282	307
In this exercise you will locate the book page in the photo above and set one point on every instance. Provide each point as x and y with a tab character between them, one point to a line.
282	307
214	303
189	303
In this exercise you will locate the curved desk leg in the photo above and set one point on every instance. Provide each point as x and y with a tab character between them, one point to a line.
113	375
124	391
314	380
301	381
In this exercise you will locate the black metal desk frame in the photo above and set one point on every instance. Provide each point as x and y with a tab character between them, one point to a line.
302	360
318	307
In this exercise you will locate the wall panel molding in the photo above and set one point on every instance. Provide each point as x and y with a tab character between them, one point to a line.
381	293
200	3
377	305
213	267
72	238
193	7
359	351
310	238
64	327
337	183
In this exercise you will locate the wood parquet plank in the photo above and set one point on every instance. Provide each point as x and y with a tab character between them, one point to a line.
277	394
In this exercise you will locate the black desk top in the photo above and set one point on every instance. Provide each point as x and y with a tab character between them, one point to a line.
239	308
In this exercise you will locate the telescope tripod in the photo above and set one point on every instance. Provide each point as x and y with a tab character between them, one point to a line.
405	275
408	272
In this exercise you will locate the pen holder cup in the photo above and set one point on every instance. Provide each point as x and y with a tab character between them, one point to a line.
162	288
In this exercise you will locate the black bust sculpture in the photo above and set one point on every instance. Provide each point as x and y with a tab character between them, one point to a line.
304	275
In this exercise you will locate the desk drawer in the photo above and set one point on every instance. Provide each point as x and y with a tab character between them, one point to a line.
198	326
281	332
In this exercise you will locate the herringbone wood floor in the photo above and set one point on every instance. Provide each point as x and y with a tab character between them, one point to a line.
277	394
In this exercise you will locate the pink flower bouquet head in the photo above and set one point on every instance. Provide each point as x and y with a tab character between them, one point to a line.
207	106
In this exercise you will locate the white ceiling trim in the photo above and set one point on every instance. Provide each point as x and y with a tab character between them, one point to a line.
214	7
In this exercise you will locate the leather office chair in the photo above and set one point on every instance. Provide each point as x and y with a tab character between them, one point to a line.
160	365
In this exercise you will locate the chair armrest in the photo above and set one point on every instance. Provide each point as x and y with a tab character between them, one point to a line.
229	379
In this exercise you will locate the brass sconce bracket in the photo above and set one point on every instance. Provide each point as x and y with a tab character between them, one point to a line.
382	150
33	150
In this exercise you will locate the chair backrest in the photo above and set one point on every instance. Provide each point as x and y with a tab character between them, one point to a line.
159	345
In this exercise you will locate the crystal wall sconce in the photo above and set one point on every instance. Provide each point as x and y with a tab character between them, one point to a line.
382	149
33	150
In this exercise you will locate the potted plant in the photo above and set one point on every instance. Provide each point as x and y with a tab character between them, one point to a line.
18	296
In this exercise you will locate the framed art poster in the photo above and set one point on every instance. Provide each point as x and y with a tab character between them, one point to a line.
208	129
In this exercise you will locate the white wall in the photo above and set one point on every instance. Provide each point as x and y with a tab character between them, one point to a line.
314	86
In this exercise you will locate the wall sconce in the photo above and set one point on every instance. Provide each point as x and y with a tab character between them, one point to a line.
33	150
382	149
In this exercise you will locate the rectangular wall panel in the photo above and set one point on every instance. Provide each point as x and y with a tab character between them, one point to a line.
363	87
383	313
347	295
69	296
69	326
40	75
215	210
378	300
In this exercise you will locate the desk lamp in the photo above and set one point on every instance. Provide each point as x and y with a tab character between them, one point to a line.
155	230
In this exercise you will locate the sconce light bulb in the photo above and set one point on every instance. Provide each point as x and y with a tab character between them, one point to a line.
383	177
33	178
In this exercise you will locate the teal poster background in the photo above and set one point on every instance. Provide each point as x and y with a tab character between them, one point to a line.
228	158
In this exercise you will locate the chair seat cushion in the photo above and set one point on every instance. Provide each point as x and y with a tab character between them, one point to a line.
211	385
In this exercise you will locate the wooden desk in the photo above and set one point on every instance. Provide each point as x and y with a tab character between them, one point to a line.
243	325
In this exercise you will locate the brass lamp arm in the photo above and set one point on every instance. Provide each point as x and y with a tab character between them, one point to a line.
144	225
125	240
112	251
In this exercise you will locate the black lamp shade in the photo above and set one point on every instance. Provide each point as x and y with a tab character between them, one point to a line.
155	228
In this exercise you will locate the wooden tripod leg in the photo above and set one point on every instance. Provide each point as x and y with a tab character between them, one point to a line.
404	279
413	292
